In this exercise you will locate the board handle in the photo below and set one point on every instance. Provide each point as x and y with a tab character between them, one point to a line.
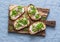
50	23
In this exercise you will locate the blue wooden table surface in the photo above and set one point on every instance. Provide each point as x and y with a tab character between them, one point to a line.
52	34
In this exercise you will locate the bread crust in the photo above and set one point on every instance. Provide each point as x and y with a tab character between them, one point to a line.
31	17
13	7
39	30
21	18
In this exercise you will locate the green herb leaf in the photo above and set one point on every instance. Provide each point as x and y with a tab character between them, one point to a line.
25	29
23	21
14	13
43	18
18	25
20	8
33	8
32	12
37	16
38	27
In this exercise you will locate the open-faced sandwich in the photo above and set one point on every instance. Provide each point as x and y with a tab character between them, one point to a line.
33	12
36	27
28	20
16	12
21	22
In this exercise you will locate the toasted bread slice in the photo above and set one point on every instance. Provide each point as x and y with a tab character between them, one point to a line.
33	12
16	11
21	22
36	27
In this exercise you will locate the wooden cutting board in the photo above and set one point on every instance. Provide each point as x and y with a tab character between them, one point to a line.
25	30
